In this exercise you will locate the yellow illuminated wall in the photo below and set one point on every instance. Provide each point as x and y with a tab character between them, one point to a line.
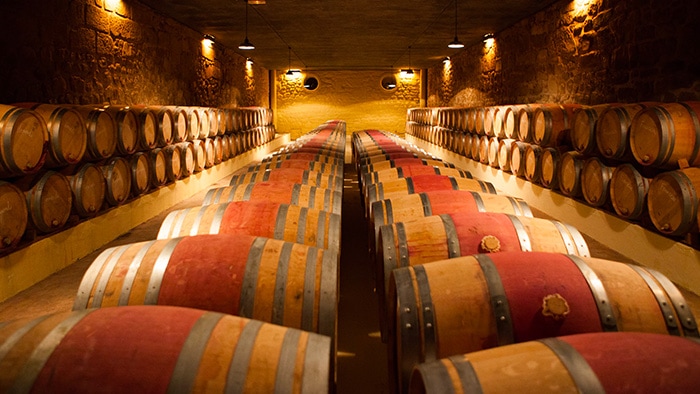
354	96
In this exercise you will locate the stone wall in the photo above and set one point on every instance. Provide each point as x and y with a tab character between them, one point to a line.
354	96
90	51
580	51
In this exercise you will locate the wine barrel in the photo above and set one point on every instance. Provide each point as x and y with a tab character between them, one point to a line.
533	169
498	122
260	278
173	162
552	124
549	167
444	236
526	122
303	156
88	189
504	153
218	149
200	155
408	171
366	160
662	135
404	208
294	175
492	154
140	173
483	301
23	141
595	182
628	191
286	222
147	130
282	192
101	133
294	163
117	174
127	128
13	220
510	121
584	363
165	125
570	165
158	349
517	157
672	201
188	158
49	200
157	173
612	132
484	149
383	165
67	136
180	124
193	123
583	137
424	183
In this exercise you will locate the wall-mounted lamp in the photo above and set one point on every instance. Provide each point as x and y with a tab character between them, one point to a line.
456	43
246	45
446	59
249	60
209	39
256	2
488	37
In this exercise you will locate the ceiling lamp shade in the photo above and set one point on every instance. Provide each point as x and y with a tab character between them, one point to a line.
408	72
456	43
246	45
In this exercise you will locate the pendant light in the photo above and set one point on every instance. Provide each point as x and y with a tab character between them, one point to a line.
408	72
456	43
290	72
246	45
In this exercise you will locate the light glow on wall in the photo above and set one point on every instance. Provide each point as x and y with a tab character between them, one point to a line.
113	5
208	48
582	6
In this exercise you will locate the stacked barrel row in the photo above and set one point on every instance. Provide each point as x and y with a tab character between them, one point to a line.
639	161
60	164
237	295
477	295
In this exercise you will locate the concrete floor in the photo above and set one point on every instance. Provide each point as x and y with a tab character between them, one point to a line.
362	360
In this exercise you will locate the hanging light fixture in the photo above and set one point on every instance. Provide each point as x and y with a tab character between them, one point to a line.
456	43
408	72
246	45
291	73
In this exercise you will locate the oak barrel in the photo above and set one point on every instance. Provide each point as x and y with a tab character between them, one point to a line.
504	153
294	175
424	183
67	134
292	223
533	163
260	278
23	141
662	135
13	220
127	128
157	162
672	201
158	349
583	363
517	157
328	200
295	163
173	162
628	191
570	165
595	182
88	186
483	301
613	131
139	164
552	124
101	133
49	200
117	174
549	167
584	126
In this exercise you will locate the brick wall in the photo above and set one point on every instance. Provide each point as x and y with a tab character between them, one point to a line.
87	51
583	51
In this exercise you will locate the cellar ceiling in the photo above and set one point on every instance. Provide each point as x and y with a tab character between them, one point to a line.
347	34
